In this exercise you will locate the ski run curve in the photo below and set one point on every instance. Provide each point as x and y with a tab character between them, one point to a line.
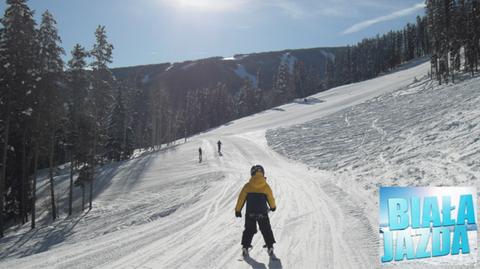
166	210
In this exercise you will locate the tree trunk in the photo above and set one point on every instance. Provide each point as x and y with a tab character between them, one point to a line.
91	191
437	71
431	70
453	64
154	131
50	173
476	62
70	194
83	197
28	186
6	133
23	188
446	68
471	62
124	142
452	73
92	175
34	188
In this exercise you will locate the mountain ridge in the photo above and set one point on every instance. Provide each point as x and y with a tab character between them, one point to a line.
260	68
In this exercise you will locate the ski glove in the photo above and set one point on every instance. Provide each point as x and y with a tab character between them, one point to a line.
273	209
238	214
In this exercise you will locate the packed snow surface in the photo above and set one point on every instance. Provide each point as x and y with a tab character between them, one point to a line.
324	160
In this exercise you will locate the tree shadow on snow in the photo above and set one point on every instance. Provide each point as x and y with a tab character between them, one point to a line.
56	235
45	237
462	76
129	172
24	238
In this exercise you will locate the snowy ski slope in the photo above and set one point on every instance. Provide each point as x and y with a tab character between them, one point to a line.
165	210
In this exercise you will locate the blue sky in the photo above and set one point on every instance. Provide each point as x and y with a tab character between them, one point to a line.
156	31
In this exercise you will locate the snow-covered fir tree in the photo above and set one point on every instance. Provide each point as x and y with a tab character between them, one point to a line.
19	53
102	85
80	121
119	142
102	95
283	87
246	99
49	101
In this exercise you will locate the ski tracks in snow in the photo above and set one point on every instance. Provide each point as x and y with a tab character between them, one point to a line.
317	224
311	225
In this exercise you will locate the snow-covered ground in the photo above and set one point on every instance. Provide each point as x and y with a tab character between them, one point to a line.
165	210
420	135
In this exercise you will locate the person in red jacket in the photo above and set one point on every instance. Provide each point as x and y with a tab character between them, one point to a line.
259	198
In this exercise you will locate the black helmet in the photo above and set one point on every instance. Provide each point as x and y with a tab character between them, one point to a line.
255	169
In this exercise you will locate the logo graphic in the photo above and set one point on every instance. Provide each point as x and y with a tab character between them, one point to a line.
435	224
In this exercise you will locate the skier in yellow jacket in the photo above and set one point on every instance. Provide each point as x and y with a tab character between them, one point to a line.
257	194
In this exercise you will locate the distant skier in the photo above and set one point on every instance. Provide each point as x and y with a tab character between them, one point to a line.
199	155
219	143
257	193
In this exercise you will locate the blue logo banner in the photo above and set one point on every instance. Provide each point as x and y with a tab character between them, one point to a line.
434	224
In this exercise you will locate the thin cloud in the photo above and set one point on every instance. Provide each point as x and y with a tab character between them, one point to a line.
291	8
397	14
213	6
306	8
295	9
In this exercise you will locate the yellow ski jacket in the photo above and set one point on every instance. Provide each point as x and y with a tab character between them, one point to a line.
257	193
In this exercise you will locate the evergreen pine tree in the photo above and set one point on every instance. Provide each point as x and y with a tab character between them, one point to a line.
300	78
246	99
119	141
101	95
80	118
329	74
19	49
49	102
282	90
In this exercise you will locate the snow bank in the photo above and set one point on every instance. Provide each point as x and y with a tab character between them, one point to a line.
424	134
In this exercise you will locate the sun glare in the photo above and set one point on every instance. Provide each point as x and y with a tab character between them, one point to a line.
209	5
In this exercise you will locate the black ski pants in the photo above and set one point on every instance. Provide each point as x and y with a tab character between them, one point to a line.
263	221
